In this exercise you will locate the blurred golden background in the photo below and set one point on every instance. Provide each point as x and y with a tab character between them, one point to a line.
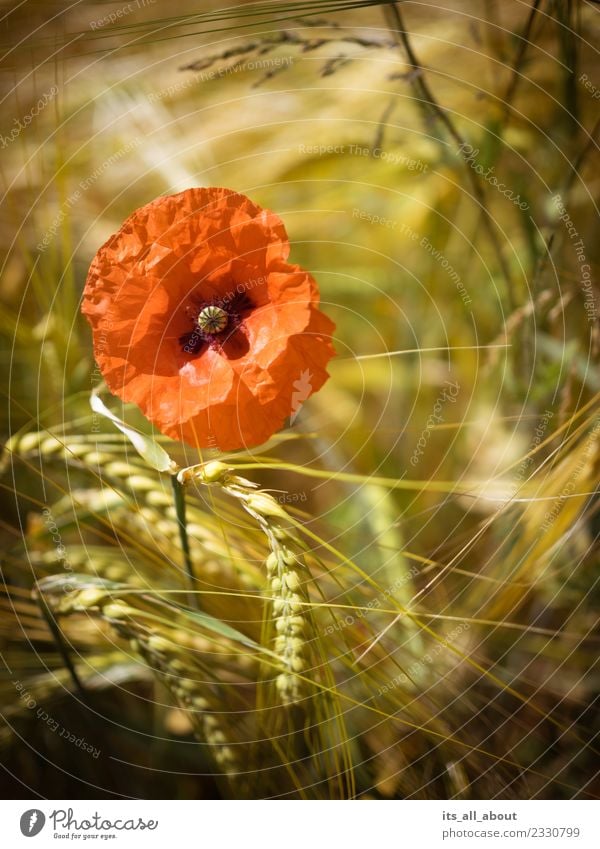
437	172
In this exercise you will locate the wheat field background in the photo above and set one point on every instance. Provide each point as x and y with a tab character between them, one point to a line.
436	168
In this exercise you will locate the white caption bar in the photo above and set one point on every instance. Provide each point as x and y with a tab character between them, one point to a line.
300	824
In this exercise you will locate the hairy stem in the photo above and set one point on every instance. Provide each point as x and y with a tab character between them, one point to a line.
179	501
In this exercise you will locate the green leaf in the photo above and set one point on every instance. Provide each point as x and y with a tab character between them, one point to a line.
54	588
156	457
221	628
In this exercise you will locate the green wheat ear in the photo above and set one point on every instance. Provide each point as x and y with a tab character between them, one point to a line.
167	638
286	571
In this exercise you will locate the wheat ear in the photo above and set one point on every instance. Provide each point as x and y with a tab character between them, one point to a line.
286	571
173	662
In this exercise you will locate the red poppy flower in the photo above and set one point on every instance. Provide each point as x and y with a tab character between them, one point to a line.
198	319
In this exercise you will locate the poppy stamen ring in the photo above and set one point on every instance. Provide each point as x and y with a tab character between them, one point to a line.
212	319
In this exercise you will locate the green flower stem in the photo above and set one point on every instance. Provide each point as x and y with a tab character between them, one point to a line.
61	644
179	501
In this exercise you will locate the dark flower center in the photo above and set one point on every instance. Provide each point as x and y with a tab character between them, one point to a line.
212	319
216	324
